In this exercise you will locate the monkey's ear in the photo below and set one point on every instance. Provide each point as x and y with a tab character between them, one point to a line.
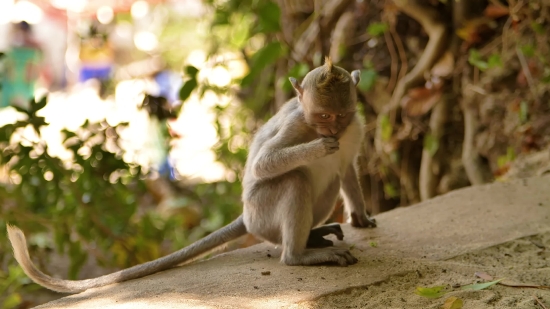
356	77
296	86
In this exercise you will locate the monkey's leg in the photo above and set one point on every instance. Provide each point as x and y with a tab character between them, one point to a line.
353	200
316	239
296	227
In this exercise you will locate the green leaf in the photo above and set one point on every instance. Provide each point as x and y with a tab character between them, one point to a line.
377	29
528	50
475	59
431	144
240	31
78	258
36	106
187	88
481	286
265	56
523	112
387	129
68	134
368	78
298	71
390	190
269	15
221	17
21	110
191	71
268	54
433	292
537	27
12	301
494	61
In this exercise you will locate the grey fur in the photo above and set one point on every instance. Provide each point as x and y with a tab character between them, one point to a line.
295	170
356	77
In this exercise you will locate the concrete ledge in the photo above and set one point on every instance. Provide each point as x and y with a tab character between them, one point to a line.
428	233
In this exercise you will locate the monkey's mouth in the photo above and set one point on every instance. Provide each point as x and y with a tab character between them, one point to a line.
324	134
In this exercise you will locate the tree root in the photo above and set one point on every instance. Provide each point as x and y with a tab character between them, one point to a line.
428	19
341	36
428	178
325	18
478	172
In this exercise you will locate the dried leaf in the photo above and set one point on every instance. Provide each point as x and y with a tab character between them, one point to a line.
444	66
472	29
420	100
495	11
480	286
483	275
433	292
453	303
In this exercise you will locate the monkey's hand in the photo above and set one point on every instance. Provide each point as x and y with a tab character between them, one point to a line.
326	146
362	220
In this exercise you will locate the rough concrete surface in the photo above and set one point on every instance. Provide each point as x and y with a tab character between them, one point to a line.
501	228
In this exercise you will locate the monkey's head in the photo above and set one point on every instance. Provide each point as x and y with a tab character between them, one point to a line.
329	98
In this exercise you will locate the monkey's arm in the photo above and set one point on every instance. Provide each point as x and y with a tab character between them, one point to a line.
17	238
353	199
278	155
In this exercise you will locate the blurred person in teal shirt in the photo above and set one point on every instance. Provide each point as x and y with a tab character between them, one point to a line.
20	67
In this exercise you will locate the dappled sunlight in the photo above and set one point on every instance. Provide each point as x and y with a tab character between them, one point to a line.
198	135
141	139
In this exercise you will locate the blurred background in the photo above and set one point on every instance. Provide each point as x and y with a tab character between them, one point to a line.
124	124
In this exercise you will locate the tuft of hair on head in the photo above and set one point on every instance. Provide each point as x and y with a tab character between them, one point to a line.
328	65
330	78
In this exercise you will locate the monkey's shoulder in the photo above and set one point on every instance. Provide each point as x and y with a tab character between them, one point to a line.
291	112
290	122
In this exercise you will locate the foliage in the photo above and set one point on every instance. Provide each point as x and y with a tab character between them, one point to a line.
92	196
95	197
10	285
242	28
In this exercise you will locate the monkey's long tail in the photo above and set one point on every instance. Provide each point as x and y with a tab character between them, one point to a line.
229	232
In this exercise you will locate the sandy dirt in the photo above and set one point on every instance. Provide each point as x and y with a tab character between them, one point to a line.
522	261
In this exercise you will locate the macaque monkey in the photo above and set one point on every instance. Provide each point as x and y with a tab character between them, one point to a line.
298	164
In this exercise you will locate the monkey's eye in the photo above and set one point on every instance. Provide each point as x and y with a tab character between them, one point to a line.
325	116
342	115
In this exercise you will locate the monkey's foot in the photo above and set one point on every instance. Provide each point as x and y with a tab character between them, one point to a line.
362	220
339	256
316	239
